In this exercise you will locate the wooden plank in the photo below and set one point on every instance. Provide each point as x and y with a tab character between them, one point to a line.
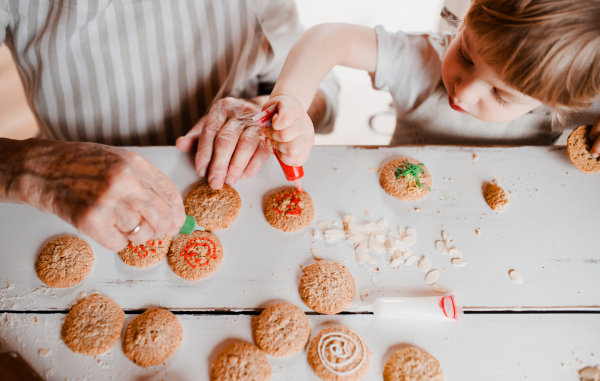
546	233
480	347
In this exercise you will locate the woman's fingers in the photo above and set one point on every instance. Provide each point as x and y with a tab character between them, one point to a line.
258	160
247	146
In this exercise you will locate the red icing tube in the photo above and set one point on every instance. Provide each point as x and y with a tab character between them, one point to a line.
293	174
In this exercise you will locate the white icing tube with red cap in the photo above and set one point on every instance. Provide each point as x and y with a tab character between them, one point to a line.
432	308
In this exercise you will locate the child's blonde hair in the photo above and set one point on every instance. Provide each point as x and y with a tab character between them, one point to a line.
547	49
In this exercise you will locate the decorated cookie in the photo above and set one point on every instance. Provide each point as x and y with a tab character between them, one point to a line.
213	209
241	362
338	353
289	210
579	145
281	330
148	254
93	326
195	256
406	179
495	196
412	364
152	337
64	262
327	287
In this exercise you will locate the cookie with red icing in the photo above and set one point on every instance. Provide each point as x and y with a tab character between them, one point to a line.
289	210
195	256
148	254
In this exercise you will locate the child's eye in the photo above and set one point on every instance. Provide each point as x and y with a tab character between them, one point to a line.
462	57
499	99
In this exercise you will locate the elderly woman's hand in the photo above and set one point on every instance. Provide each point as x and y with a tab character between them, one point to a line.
228	142
104	191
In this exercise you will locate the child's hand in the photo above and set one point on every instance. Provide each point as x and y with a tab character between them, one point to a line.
292	132
595	135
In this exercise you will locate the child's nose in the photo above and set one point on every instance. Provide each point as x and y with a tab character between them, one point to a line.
467	91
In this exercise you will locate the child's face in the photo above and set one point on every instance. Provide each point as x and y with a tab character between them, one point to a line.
475	88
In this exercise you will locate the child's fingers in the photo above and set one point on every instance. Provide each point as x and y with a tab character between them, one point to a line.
595	151
286	135
288	111
595	135
595	132
294	148
294	161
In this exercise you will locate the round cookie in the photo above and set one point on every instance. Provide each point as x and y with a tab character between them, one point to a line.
195	256
93	326
241	362
213	209
405	188
289	211
578	148
412	364
152	337
338	353
281	330
327	287
148	254
64	262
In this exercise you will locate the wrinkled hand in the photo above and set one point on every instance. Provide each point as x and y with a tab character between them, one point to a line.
229	148
103	191
595	136
292	132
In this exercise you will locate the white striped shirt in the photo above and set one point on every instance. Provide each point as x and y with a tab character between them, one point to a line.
143	72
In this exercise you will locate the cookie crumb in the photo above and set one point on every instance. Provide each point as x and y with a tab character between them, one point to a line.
475	157
495	196
478	231
367	213
439	212
44	352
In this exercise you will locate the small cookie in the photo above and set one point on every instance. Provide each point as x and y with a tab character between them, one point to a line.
148	254
281	330
241	362
412	364
406	187
152	337
93	326
195	256
578	148
327	287
213	209
64	262
338	353
289	211
495	196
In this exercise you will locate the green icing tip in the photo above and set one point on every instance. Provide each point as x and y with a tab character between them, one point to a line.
190	225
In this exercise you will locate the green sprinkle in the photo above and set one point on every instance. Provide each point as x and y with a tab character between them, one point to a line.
407	168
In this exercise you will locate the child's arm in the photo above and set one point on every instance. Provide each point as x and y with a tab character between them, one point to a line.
312	57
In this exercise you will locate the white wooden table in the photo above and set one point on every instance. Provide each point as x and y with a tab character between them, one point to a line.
548	232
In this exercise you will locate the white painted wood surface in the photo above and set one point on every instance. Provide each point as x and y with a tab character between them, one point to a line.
548	233
480	347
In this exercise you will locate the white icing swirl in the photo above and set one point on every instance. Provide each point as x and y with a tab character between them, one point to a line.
339	350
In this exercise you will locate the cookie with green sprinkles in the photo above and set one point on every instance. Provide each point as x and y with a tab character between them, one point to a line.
406	179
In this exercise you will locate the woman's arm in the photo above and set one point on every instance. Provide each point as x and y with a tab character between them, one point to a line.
103	191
